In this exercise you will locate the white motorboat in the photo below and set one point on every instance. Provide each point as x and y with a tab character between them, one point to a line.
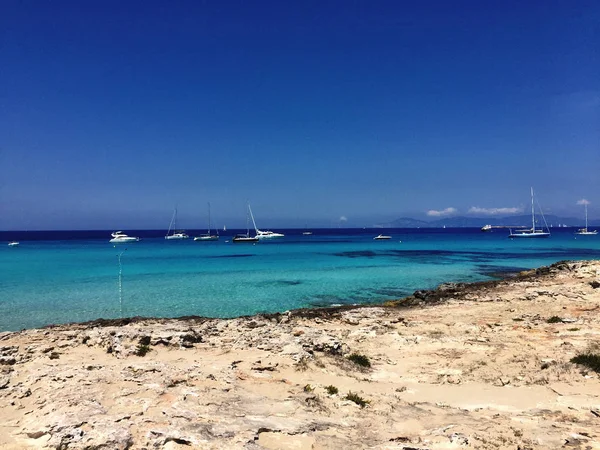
208	236
177	234
531	232
585	231
13	244
381	237
120	237
263	234
307	233
486	228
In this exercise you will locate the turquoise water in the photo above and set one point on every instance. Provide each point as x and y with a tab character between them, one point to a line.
57	281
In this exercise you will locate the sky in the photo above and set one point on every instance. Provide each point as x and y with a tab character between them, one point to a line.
318	113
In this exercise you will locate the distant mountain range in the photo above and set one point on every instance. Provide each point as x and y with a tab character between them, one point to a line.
477	222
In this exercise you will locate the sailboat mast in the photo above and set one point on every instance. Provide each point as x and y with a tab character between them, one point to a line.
586	217
532	212
252	215
209	218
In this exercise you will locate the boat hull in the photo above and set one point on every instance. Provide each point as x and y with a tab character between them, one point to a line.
244	240
176	238
206	238
123	240
529	235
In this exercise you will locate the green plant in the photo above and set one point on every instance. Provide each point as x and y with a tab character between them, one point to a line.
308	388
331	389
360	360
357	399
554	319
573	329
589	360
302	364
142	350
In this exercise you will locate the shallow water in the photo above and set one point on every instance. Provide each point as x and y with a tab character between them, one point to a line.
50	278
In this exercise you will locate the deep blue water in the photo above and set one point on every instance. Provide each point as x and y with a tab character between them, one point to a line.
72	276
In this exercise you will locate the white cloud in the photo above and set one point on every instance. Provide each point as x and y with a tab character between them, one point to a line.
494	211
583	201
343	219
441	213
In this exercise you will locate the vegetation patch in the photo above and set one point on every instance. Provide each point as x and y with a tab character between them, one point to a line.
589	360
142	350
357	399
573	329
554	319
360	360
308	388
302	364
331	389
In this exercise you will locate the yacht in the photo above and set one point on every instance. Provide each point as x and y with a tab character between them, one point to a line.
177	234
486	228
208	236
241	238
307	233
263	234
531	232
246	238
381	237
585	231
119	237
13	244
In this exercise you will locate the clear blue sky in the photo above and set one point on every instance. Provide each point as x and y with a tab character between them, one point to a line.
112	112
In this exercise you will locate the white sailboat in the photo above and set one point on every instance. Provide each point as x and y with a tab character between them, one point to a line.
531	233
263	234
177	234
585	231
208	236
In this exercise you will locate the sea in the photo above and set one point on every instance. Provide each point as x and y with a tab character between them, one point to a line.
56	277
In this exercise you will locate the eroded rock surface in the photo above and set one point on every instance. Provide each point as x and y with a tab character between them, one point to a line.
464	366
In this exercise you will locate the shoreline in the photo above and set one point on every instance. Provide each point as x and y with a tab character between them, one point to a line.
420	297
467	365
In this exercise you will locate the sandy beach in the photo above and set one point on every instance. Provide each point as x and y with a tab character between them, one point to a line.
486	365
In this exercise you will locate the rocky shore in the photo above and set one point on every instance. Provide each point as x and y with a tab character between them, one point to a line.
484	365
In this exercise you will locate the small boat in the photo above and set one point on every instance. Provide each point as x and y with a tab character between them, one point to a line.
531	232
307	233
585	231
263	234
381	237
177	234
13	244
207	236
120	237
486	228
245	238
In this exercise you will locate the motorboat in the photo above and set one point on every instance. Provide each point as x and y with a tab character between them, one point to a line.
307	233
585	231
381	237
177	234
120	237
531	232
263	234
208	236
13	244
486	228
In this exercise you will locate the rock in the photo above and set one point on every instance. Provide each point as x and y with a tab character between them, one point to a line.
595	284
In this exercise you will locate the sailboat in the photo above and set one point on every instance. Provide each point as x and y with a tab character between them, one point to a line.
585	231
208	236
245	238
531	233
263	234
177	234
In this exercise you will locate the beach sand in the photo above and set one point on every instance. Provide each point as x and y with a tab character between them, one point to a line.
465	366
